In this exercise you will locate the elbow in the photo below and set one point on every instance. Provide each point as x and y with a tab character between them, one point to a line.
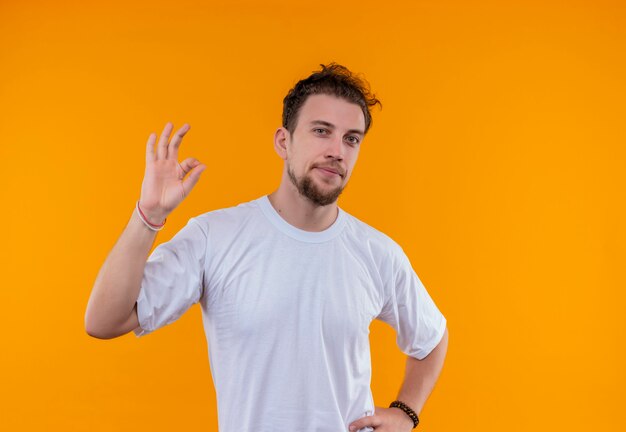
96	333
96	330
100	328
93	330
99	333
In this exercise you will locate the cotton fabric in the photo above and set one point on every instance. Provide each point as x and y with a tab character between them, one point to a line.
286	313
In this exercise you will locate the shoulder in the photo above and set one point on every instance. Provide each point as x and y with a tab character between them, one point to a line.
376	241
228	214
229	220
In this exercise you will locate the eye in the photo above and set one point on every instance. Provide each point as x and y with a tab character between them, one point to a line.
353	140
317	130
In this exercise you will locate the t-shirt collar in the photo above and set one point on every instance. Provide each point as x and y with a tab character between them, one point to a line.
306	236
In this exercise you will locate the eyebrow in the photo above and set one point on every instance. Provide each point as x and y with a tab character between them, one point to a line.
332	126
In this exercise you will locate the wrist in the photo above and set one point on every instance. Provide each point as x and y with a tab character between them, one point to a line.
410	414
152	220
153	215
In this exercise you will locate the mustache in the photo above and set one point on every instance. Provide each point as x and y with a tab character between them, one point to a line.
333	167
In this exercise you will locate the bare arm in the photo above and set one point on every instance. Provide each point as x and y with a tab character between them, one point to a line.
111	310
421	375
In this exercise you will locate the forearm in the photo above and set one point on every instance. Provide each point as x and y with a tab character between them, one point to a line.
117	285
421	376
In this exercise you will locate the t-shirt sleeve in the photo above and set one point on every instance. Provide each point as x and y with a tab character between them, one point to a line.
410	310
172	279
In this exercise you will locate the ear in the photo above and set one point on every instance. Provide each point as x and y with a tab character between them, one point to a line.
281	136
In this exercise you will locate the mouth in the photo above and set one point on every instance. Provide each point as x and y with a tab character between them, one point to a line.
330	171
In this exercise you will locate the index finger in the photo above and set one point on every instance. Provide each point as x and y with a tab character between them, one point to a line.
172	148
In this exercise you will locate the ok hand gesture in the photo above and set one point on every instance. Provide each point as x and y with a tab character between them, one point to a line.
164	185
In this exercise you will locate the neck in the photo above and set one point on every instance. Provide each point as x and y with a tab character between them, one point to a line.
299	211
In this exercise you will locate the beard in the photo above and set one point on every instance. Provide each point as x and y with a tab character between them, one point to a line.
308	189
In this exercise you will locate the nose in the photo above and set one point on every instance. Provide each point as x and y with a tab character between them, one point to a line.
335	149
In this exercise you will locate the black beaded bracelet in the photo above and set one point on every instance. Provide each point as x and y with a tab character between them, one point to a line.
404	407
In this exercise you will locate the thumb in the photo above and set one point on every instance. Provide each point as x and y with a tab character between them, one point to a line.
193	175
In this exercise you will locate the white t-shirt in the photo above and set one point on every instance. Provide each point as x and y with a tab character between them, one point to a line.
286	313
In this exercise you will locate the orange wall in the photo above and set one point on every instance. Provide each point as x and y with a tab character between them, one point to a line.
496	162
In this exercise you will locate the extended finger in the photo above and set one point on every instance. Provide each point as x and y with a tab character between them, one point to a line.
150	147
165	136
172	148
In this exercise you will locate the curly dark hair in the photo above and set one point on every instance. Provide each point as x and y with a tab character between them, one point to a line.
335	80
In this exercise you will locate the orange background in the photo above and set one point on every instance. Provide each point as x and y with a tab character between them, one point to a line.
496	162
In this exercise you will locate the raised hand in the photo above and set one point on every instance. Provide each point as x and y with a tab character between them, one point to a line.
164	185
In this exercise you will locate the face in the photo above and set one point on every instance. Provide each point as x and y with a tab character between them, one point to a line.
323	149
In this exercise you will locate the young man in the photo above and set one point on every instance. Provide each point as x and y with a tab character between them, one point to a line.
288	283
